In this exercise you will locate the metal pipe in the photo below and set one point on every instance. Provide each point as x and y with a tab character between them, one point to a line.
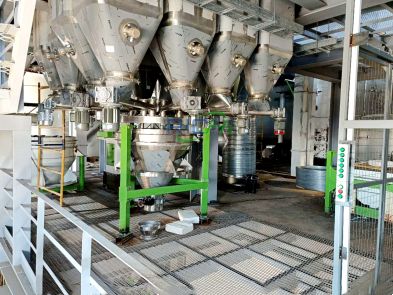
140	105
280	137
261	113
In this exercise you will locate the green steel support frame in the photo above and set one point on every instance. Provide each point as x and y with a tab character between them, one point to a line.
81	183
127	191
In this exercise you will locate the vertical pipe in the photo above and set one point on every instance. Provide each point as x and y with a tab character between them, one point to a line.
39	151
280	138
125	178
382	200
213	163
205	172
63	130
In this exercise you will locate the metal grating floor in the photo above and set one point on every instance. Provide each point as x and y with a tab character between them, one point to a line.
231	259
231	255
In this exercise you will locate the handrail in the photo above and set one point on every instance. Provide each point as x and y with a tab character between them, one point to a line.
89	234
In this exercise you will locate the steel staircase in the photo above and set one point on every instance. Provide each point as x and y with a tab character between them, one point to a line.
16	20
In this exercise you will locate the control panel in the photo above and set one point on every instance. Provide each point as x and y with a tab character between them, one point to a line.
343	173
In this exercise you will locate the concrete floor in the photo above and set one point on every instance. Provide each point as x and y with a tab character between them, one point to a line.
279	201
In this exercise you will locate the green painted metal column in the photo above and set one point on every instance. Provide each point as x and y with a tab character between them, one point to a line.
81	185
205	172
110	154
330	182
125	177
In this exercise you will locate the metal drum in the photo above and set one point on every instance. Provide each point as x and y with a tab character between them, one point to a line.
239	153
311	177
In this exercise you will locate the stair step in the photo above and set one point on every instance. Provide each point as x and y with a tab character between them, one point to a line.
11	279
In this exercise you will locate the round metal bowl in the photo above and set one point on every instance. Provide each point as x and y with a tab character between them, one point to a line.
149	229
154	179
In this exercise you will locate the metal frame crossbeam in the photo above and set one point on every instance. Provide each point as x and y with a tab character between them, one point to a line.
250	14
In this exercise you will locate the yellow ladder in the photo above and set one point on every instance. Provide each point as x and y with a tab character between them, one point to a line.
60	151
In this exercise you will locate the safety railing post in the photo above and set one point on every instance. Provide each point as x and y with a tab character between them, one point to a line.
39	271
86	264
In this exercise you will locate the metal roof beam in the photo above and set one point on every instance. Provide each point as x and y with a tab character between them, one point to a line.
332	11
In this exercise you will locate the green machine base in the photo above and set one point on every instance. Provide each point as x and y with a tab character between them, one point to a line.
127	191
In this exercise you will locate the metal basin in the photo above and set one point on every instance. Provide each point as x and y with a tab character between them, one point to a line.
149	229
154	179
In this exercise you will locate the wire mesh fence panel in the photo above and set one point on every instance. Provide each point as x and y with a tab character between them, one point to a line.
370	168
367	215
370	99
371	231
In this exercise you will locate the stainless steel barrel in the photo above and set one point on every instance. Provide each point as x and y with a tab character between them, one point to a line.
239	153
311	177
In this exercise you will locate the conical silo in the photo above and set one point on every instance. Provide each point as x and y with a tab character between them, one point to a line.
70	34
181	45
114	36
119	33
68	71
42	48
232	47
267	64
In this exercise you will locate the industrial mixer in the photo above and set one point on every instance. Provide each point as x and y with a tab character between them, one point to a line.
159	78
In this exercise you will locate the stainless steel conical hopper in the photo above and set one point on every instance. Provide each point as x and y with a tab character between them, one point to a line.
267	64
155	151
42	48
68	71
232	47
181	44
69	33
119	33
